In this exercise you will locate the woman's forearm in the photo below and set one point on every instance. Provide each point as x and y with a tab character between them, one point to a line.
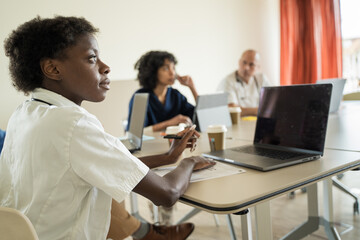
156	160
194	92
166	190
160	126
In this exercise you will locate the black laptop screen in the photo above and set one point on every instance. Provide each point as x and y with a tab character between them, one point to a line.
294	116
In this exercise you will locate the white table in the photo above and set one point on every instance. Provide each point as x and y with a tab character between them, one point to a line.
254	188
235	193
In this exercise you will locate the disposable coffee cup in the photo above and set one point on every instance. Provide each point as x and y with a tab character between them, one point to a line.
216	134
235	114
183	125
173	130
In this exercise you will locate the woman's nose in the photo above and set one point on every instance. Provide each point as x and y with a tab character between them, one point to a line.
105	68
172	72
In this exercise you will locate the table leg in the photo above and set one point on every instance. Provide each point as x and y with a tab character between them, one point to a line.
328	220
314	220
134	207
312	224
246	229
155	211
189	215
263	221
231	227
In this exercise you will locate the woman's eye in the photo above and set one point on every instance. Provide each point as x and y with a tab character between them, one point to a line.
93	58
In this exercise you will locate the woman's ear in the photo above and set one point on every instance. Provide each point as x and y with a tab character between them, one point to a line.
49	69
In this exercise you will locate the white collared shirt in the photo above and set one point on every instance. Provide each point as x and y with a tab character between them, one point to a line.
241	93
61	169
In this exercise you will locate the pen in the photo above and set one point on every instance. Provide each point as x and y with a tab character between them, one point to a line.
173	136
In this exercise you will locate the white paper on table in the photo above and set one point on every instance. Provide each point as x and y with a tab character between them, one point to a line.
216	171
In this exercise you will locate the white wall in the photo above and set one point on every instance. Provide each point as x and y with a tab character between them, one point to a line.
206	36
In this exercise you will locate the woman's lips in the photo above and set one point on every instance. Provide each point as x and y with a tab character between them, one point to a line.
105	84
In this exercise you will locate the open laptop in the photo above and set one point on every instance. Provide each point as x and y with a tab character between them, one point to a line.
133	140
290	128
337	91
211	109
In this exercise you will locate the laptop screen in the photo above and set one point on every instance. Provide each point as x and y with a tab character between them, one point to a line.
137	118
337	91
294	116
211	109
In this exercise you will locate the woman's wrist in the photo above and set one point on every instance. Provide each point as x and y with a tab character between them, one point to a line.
192	87
188	161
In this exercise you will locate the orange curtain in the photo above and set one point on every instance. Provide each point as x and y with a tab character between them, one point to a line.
310	41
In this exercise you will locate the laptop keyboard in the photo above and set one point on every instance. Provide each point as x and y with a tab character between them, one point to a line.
265	152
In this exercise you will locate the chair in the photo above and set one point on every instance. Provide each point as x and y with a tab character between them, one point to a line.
352	96
15	225
348	191
2	139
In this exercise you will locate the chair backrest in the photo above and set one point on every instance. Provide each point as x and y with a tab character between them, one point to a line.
2	139
352	96
15	225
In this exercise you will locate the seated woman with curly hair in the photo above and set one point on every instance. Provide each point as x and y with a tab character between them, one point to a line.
167	106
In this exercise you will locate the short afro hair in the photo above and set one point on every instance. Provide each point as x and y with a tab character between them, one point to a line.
39	39
148	66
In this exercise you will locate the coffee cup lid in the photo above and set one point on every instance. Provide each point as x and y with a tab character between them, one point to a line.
174	129
183	125
234	109
216	128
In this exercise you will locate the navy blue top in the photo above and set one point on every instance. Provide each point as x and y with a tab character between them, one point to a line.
175	103
2	139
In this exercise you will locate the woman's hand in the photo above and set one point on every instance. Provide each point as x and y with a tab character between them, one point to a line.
188	140
201	162
179	119
185	80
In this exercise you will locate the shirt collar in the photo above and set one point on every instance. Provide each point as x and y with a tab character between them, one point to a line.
240	79
52	98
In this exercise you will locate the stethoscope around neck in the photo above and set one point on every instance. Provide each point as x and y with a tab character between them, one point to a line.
238	79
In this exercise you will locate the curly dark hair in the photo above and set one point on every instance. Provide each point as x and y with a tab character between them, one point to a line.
148	66
38	39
